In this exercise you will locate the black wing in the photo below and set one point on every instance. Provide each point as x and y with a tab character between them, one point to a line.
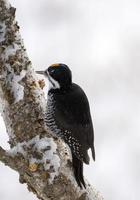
72	114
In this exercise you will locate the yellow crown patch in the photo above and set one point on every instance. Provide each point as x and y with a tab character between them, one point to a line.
55	65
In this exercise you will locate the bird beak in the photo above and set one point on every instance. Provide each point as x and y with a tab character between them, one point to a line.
40	72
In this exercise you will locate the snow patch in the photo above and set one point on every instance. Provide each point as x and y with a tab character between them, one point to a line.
17	149
7	4
14	80
17	88
11	50
46	147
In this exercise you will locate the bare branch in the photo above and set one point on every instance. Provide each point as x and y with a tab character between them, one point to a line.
42	161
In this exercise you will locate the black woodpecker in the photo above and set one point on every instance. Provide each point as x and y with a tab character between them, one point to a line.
68	116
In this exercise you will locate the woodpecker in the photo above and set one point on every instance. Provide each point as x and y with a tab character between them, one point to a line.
68	116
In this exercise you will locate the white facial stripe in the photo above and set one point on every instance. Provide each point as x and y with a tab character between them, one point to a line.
53	84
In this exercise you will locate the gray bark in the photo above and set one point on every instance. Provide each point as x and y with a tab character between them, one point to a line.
42	161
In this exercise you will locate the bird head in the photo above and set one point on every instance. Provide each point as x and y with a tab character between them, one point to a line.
58	75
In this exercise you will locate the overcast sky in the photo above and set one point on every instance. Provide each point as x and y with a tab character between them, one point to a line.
100	41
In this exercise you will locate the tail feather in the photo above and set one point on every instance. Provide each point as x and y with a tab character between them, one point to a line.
78	171
93	153
81	174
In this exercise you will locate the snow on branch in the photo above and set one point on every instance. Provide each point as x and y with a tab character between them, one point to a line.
42	161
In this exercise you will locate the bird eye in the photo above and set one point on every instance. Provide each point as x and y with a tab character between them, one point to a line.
51	71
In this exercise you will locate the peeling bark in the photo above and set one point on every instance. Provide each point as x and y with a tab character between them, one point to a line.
46	169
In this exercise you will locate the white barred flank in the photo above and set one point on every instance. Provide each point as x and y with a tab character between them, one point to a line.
65	135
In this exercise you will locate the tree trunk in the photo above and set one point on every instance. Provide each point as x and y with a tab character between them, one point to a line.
42	161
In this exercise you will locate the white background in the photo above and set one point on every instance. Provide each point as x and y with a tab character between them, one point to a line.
100	41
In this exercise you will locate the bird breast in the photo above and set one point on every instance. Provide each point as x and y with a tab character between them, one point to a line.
49	119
